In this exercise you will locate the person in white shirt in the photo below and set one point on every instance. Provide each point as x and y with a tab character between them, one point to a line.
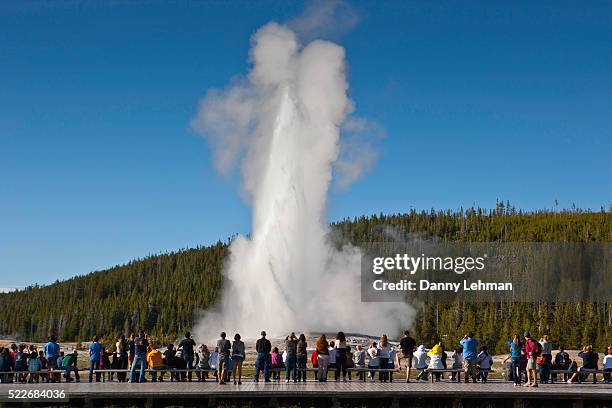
607	366
332	358
422	360
374	360
359	358
393	361
384	349
213	360
435	359
484	362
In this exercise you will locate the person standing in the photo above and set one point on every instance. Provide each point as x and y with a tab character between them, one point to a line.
203	362
238	356
322	358
384	353
470	356
52	350
302	357
408	346
485	361
359	360
263	348
340	356
224	347
515	356
546	358
374	362
531	349
331	362
187	346
95	349
141	344
122	353
131	349
291	364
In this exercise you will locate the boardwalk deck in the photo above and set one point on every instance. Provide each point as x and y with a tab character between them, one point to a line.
209	391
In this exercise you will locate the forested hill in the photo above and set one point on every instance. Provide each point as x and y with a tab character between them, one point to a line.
162	293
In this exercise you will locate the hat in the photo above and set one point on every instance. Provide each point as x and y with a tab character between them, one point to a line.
526	334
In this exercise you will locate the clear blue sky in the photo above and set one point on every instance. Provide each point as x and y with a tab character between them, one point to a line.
479	101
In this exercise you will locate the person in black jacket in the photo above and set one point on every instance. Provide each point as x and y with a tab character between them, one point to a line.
187	346
263	348
562	362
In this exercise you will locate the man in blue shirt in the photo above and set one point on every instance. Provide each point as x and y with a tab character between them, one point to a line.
470	355
95	348
140	356
52	350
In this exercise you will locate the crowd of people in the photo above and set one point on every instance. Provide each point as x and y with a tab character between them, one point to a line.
134	356
529	360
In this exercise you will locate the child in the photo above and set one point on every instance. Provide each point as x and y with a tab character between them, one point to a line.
43	365
203	362
105	363
277	363
374	360
349	360
33	367
457	361
484	361
214	359
359	358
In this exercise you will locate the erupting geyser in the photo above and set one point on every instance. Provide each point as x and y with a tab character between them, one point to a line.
282	124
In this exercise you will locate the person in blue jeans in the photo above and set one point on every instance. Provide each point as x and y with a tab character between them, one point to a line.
263	348
515	356
291	362
140	356
95	348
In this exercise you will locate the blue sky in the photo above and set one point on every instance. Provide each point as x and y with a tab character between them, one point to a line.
98	165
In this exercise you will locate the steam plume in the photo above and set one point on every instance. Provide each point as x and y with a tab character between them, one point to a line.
282	125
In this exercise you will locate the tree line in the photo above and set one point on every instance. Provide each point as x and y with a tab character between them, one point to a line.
163	293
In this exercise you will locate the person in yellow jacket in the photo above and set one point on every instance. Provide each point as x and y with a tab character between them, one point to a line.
155	362
436	359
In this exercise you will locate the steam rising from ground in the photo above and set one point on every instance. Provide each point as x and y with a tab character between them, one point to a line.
282	125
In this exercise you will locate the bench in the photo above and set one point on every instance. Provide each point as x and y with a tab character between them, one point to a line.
169	370
457	371
50	372
580	370
373	370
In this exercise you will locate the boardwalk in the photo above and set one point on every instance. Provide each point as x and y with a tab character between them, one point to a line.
209	392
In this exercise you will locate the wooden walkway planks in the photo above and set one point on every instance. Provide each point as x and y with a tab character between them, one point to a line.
314	389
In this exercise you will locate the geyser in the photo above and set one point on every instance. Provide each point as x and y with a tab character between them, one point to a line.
282	124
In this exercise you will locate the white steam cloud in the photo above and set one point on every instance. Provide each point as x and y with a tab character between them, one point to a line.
282	125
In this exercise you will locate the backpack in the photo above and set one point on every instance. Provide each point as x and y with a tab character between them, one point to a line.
20	360
538	351
563	360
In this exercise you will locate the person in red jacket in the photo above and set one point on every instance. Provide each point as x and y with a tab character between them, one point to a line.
531	349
